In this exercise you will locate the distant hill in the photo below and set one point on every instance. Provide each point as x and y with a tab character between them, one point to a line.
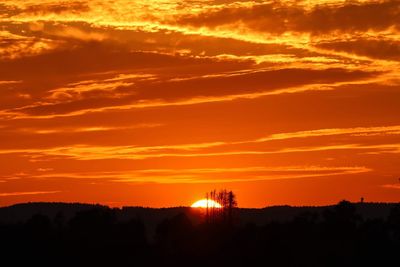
152	216
287	213
22	212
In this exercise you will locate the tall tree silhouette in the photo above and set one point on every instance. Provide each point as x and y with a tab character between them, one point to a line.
224	213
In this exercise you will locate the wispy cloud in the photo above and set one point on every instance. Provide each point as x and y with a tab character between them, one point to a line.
382	130
208	175
13	46
391	186
27	193
9	82
58	130
87	152
177	97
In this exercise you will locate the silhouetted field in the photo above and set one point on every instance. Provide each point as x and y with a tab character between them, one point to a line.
59	234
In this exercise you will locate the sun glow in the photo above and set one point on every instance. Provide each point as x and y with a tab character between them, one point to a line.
204	203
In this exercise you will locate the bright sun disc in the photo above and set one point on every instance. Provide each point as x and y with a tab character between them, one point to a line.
204	203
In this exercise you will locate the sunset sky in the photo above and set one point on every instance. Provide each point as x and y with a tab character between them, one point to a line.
154	103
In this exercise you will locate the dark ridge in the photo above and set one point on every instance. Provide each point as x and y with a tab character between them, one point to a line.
152	216
24	211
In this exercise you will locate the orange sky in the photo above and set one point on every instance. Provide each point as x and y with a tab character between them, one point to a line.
154	103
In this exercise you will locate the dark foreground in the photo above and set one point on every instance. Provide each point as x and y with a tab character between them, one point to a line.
84	235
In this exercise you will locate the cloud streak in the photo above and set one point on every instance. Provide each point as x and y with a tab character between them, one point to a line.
152	96
208	175
86	152
11	194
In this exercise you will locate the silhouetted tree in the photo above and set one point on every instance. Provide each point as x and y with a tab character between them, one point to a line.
225	213
232	204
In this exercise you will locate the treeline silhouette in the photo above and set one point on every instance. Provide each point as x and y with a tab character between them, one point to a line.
336	236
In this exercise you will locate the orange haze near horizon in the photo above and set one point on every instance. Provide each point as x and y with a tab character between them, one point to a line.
154	103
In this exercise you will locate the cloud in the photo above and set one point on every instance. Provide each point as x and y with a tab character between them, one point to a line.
70	32
94	57
45	169
60	8
9	82
383	130
13	46
278	17
91	88
8	194
81	91
207	175
207	89
219	148
78	130
391	186
380	49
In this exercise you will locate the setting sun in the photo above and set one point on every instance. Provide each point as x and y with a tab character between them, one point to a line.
204	203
